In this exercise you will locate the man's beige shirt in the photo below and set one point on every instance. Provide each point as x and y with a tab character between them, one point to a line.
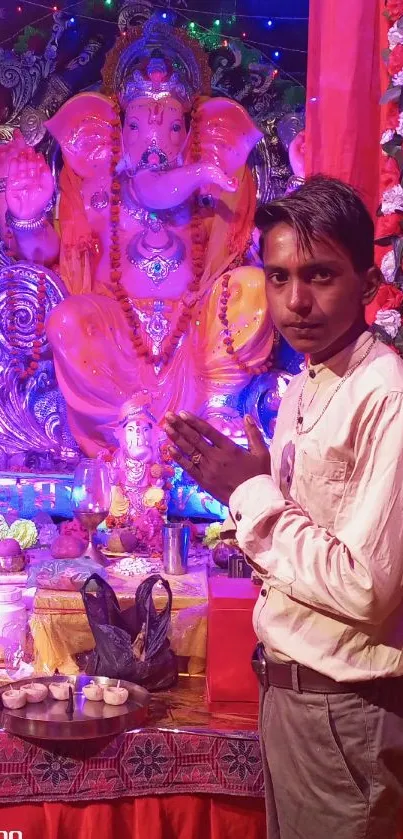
326	530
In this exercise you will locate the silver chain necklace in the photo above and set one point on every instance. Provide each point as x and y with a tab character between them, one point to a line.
300	419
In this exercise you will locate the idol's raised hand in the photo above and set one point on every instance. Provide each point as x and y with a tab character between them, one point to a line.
211	459
30	184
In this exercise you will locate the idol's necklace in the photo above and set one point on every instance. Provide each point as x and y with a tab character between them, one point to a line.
141	252
300	420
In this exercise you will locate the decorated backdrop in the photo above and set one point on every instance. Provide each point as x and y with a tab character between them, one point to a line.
42	65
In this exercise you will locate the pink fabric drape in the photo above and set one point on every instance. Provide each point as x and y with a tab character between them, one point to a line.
344	88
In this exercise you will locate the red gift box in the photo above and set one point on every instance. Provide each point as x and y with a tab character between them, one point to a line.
230	644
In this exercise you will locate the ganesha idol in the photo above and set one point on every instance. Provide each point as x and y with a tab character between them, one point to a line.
155	216
140	469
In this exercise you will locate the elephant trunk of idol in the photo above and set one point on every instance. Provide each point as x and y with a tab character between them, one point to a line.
163	190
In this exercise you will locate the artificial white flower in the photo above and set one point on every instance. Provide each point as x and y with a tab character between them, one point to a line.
392	200
390	320
395	36
388	266
399	127
397	79
387	136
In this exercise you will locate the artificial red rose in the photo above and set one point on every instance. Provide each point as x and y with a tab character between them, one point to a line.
391	168
390	174
392	116
388	297
395	60
388	226
395	9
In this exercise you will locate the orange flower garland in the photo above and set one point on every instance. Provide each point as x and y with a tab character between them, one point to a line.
39	327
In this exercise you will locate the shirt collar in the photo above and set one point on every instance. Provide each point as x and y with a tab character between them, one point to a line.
338	364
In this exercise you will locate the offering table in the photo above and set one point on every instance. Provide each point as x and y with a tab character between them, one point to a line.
60	628
186	774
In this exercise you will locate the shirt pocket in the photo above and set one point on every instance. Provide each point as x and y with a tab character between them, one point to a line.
320	486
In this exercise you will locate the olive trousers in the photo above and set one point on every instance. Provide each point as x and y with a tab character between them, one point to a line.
333	763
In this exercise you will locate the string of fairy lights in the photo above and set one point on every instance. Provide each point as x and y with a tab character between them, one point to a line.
212	33
166	9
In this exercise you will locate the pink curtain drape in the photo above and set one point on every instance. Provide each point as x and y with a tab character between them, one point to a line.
344	88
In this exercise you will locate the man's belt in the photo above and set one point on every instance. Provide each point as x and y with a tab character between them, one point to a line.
293	676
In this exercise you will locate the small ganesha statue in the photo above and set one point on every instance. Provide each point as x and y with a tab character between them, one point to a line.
140	468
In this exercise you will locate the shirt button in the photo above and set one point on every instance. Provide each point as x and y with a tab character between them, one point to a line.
238	516
263	592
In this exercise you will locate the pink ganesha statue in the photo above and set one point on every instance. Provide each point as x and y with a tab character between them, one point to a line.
141	472
155	217
140	468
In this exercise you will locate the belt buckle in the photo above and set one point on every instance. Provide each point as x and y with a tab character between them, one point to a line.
266	683
295	677
261	667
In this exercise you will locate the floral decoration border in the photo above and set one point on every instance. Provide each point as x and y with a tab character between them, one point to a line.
385	314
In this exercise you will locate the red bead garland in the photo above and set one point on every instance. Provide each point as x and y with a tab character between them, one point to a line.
193	290
197	256
254	370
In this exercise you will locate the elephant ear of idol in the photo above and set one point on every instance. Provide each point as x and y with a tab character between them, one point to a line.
83	128
228	134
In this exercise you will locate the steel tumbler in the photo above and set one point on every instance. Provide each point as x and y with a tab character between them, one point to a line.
175	547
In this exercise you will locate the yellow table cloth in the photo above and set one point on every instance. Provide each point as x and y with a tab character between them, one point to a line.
60	628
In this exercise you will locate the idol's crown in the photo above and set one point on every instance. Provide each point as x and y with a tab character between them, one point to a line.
138	406
157	79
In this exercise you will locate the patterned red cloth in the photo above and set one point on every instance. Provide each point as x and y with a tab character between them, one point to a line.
149	762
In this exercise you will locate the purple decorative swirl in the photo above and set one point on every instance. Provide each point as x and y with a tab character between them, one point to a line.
24	311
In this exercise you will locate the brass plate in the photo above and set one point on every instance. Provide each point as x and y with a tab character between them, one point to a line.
48	720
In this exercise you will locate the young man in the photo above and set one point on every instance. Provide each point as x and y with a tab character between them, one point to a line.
322	521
